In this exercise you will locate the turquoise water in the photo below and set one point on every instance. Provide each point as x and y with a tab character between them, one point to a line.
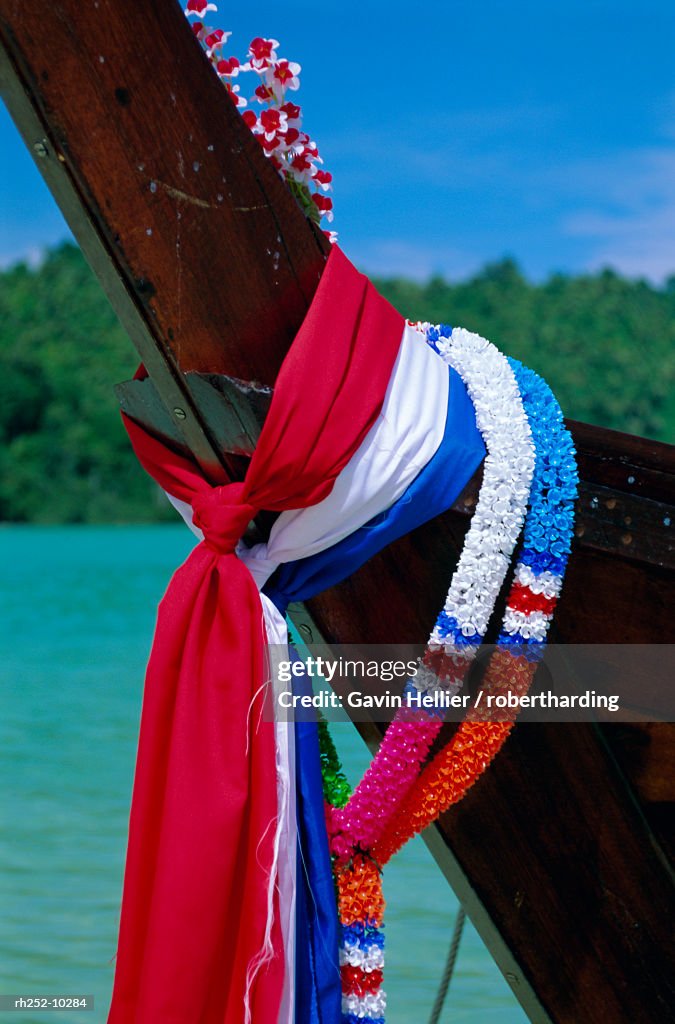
77	608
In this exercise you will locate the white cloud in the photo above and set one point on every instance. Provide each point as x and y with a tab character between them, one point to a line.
629	214
450	149
33	255
390	257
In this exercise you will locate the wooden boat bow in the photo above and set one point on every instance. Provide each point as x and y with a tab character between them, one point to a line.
562	854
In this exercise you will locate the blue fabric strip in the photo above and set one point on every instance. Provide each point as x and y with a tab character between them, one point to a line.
433	491
318	994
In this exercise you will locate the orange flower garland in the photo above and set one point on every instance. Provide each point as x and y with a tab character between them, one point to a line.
359	886
462	761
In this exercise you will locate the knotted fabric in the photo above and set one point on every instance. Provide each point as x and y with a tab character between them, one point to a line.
199	936
222	514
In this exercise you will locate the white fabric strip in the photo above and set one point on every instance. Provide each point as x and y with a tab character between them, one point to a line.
286	838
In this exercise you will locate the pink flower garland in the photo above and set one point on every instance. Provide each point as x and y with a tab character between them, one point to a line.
390	775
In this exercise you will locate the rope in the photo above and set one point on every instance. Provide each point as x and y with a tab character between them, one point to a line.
449	966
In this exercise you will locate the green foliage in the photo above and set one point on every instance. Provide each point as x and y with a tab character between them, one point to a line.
604	344
64	454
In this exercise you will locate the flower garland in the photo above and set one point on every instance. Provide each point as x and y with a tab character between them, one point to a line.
475	585
362	840
278	127
537	583
360	909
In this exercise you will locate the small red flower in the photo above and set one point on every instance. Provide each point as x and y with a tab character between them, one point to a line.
262	52
216	40
228	68
358	982
300	162
273	121
324	205
199	7
269	144
286	73
292	111
264	93
521	599
233	90
261	48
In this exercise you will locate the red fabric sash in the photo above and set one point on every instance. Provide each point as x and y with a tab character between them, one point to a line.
203	815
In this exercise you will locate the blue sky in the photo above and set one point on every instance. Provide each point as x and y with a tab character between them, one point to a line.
459	132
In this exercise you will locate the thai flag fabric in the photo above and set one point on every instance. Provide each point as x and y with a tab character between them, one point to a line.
228	911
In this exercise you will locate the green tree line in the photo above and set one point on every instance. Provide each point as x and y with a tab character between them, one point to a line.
606	346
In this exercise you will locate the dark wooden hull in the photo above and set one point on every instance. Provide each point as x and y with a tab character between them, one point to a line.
562	853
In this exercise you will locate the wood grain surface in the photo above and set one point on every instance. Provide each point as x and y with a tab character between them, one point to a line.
561	849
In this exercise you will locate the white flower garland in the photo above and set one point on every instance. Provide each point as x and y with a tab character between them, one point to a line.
370	958
371	1005
502	504
507	477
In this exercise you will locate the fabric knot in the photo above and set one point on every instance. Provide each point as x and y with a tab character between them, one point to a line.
222	516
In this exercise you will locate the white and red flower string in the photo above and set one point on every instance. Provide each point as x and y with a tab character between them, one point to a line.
278	125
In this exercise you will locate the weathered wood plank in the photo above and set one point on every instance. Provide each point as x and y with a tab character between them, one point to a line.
206	257
567	882
234	409
636	465
623	519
